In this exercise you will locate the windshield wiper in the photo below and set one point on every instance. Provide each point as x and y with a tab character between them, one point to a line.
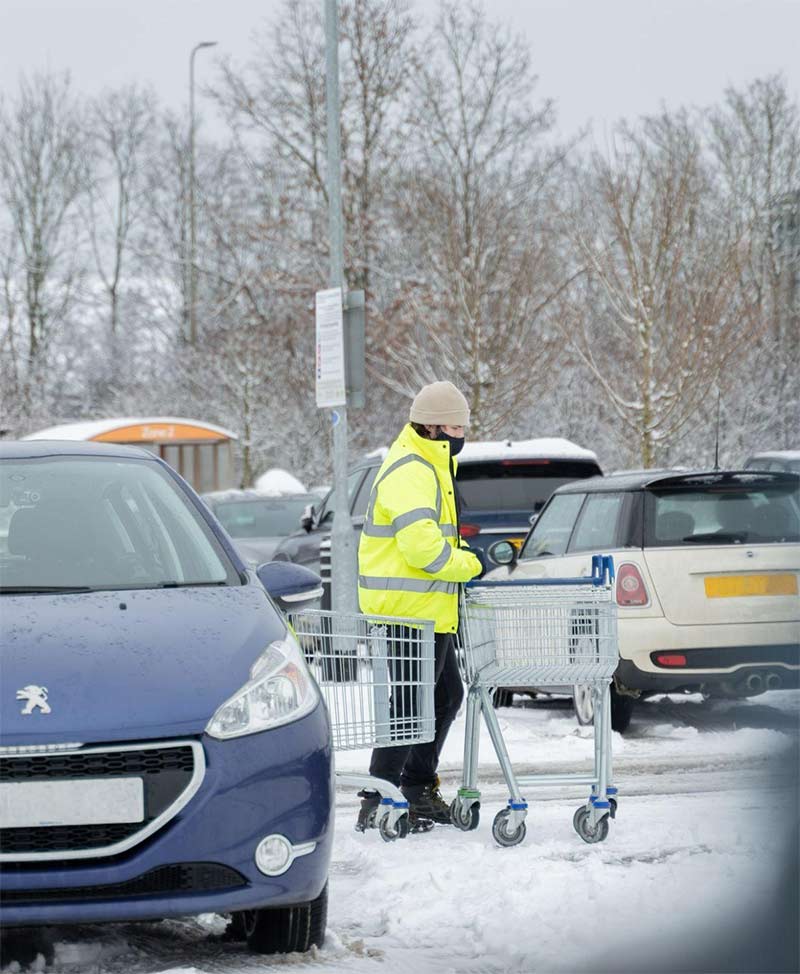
174	584
41	589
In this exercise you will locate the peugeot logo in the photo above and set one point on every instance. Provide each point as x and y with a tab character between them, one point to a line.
35	697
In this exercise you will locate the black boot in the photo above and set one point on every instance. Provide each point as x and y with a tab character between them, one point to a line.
370	800
425	802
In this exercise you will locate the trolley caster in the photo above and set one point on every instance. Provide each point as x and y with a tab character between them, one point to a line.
397	831
465	817
503	835
588	833
613	803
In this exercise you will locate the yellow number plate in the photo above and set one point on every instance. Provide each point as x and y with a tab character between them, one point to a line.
731	586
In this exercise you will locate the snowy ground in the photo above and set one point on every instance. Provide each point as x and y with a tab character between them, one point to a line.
687	879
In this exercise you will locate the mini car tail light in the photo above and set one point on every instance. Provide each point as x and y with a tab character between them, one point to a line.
631	589
470	530
671	659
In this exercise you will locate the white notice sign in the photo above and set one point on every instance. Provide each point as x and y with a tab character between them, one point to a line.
330	374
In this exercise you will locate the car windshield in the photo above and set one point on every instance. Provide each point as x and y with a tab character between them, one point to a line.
77	523
272	517
516	485
751	515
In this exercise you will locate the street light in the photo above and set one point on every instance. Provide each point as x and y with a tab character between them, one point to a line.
192	231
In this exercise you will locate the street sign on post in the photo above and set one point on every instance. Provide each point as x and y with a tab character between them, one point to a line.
355	323
330	364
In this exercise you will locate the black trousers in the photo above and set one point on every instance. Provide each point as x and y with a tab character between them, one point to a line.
416	764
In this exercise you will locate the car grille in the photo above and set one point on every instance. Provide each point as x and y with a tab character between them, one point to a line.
185	877
170	772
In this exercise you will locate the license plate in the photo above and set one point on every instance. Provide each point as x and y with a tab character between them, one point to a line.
32	804
733	586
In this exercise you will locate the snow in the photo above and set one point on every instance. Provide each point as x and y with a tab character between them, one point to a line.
90	429
277	482
553	448
550	448
692	857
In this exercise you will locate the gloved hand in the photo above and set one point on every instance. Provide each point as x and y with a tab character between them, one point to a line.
480	554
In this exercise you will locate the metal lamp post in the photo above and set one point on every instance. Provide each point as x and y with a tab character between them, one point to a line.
192	228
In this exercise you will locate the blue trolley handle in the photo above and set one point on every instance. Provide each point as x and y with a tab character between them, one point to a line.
602	569
602	574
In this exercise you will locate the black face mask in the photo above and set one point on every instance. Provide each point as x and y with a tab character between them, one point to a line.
456	442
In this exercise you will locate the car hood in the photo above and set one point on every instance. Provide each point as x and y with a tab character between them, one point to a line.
159	667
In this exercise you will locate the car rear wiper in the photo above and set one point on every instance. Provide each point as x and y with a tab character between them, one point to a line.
41	589
718	538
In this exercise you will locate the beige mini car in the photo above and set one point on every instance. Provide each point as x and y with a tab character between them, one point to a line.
707	568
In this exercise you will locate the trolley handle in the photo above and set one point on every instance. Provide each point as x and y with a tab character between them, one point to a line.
602	574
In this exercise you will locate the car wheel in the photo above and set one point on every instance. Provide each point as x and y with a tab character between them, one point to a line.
502	698
621	707
621	710
286	929
583	703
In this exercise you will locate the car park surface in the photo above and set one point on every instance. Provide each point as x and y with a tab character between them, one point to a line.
163	748
707	576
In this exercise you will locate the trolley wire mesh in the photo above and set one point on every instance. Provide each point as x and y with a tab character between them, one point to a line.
375	674
527	636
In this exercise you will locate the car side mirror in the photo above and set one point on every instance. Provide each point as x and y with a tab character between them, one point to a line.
307	518
503	553
292	586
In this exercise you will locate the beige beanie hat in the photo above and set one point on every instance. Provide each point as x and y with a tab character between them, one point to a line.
439	404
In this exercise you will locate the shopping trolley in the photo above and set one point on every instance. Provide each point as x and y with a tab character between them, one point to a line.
539	632
376	675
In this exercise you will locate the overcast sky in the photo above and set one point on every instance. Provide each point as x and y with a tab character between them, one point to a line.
599	59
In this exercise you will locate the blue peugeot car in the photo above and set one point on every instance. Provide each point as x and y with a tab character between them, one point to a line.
164	750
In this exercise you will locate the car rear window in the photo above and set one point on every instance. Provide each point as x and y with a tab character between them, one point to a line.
516	485
757	515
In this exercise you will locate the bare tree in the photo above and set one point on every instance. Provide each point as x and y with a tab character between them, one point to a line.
43	174
475	259
655	315
121	124
281	97
755	142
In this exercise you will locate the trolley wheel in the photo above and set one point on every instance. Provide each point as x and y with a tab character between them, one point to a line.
580	822
466	819
501	832
397	831
613	803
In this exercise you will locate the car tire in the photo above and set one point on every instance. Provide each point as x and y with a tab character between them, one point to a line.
583	704
621	708
286	929
502	698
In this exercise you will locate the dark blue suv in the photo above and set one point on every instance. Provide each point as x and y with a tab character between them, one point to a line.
164	750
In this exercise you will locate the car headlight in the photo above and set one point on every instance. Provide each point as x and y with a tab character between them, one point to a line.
280	690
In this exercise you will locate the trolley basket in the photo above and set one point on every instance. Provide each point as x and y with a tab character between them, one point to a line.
376	675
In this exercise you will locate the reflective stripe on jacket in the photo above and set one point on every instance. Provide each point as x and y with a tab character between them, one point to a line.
410	559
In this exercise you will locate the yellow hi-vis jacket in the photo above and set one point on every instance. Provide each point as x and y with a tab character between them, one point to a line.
410	558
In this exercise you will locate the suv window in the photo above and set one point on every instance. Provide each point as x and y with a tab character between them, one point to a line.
551	533
756	515
516	485
359	506
597	525
329	504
